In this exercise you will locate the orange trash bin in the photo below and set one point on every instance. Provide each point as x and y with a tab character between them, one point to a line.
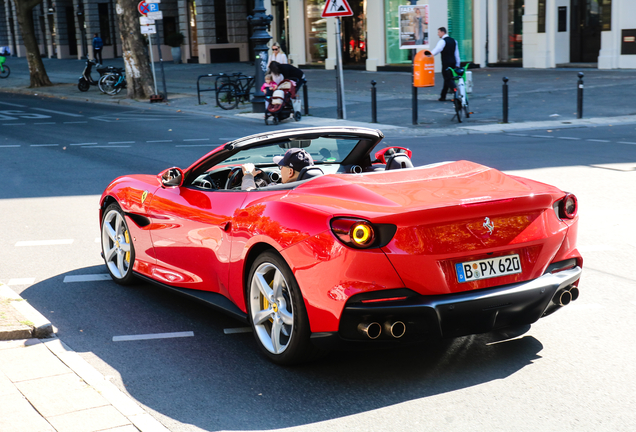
424	69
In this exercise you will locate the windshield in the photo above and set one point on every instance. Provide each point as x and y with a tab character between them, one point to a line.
322	150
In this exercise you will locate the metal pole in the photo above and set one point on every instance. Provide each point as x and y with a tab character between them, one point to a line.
306	98
505	99
260	23
579	96
342	95
152	61
414	96
163	72
374	103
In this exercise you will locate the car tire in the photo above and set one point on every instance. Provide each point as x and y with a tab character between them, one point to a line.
277	311
117	247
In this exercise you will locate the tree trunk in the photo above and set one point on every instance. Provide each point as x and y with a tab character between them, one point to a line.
134	52
24	11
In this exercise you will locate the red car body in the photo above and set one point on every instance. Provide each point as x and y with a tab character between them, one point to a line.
433	219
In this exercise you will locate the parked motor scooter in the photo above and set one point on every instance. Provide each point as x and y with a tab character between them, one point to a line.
86	80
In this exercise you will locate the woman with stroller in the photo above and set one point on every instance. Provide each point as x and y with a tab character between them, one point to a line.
277	55
286	71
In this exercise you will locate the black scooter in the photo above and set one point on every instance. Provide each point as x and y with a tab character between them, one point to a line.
86	80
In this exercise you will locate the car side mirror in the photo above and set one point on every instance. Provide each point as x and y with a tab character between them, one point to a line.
171	177
387	152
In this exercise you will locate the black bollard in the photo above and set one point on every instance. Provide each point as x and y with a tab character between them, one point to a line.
339	109
505	99
374	103
306	98
414	105
579	96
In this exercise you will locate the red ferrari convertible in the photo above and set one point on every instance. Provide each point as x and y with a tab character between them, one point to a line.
363	249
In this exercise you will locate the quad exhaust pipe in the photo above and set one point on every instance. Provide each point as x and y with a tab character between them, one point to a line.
373	330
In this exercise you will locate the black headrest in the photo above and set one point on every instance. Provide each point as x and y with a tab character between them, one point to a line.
398	161
310	171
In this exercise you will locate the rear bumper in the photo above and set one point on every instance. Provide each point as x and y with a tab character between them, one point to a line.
451	315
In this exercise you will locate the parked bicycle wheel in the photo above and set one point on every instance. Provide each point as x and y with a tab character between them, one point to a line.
5	73
108	84
458	107
227	97
466	110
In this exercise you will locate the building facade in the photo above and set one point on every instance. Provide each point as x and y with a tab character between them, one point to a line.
528	33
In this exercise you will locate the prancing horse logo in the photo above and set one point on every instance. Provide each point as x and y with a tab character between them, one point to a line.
489	226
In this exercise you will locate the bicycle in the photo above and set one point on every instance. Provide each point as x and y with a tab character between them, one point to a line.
112	83
4	69
236	89
461	98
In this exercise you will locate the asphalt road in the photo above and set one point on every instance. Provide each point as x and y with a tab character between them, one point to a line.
572	371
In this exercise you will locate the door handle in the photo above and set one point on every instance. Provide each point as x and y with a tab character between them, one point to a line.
225	226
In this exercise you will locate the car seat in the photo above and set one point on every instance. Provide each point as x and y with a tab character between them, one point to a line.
310	172
398	161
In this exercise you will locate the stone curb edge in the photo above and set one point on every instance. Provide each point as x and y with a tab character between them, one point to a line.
41	328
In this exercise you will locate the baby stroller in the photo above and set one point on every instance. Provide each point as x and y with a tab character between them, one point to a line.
283	103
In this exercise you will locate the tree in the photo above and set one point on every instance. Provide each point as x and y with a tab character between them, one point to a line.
24	11
138	73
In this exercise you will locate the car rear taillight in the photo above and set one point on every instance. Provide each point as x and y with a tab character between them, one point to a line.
357	233
568	207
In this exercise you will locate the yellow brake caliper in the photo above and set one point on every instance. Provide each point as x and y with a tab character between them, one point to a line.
127	237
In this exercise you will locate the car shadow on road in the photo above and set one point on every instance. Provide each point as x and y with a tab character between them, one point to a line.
216	381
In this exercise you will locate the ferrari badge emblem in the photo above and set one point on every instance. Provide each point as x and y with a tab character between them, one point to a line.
489	226
145	195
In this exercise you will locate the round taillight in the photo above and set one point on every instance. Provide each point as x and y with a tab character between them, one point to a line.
362	234
569	206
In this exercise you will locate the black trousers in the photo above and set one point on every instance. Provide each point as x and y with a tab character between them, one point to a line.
98	55
449	82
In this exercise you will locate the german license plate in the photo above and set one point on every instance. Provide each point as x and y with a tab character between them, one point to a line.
488	268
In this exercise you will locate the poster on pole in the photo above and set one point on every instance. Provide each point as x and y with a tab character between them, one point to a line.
414	27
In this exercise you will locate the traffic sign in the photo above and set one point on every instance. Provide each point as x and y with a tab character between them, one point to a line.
144	7
148	29
153	1
155	15
336	8
146	21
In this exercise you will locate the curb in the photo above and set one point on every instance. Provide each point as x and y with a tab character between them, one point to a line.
40	328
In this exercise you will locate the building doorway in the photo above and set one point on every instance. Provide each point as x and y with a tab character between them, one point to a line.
510	47
192	31
585	31
354	34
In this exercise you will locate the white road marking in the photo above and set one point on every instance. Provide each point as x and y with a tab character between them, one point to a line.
595	248
81	144
13	105
541	136
627	142
156	141
195	145
21	281
517	134
198	139
121	142
13	124
10	145
78	122
44	145
596	140
58	112
44	123
87	278
569	138
44	242
237	330
153	336
105	146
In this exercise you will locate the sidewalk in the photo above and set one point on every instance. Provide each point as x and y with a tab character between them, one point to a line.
46	386
535	95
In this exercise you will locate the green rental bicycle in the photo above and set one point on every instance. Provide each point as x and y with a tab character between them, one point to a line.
4	69
461	98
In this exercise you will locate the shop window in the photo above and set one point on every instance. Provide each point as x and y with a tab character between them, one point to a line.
220	21
316	31
541	17
394	55
104	23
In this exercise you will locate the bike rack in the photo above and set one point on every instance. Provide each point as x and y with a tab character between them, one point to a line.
220	76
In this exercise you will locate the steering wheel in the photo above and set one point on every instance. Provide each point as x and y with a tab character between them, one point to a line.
233	177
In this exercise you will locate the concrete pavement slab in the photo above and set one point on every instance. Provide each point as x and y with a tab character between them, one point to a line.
18	415
31	362
89	420
60	394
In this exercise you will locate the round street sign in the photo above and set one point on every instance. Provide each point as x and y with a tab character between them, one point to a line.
143	8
